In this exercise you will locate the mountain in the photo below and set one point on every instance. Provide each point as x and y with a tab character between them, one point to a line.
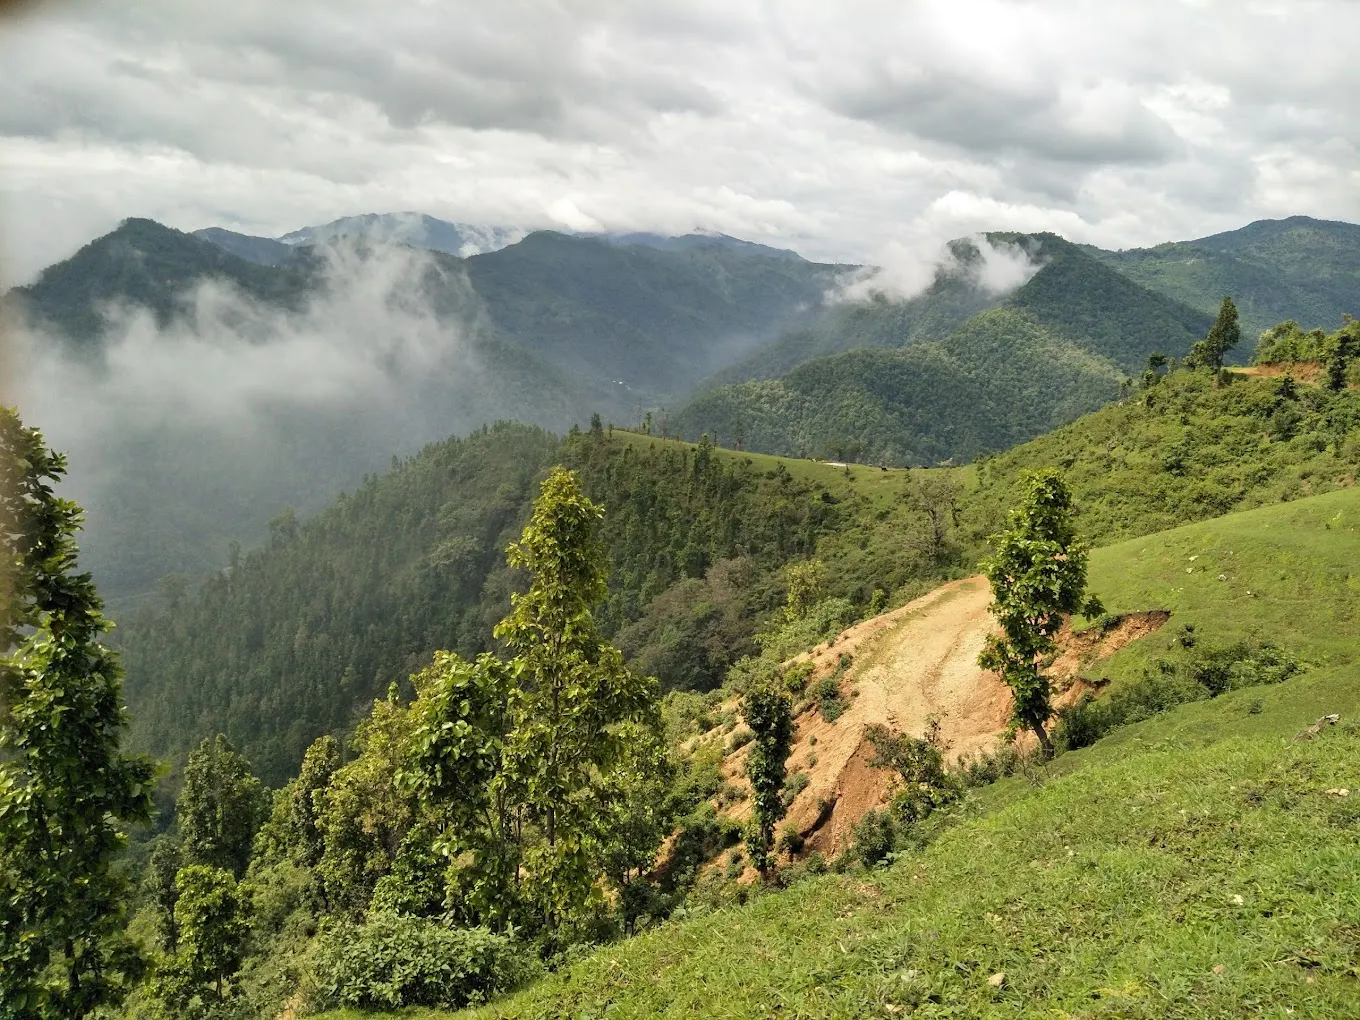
264	250
1297	268
416	230
145	265
653	320
999	379
1058	347
696	240
407	347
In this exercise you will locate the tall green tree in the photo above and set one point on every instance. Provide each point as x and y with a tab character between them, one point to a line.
213	931
572	697
1223	336
64	783
769	713
221	807
1038	576
1339	358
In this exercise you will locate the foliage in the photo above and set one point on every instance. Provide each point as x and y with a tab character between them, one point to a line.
768	712
1166	683
572	694
220	807
212	932
1223	336
919	765
64	783
392	961
1038	577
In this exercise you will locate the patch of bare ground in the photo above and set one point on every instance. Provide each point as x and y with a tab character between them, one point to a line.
905	670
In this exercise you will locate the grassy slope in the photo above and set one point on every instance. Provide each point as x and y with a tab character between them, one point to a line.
1198	840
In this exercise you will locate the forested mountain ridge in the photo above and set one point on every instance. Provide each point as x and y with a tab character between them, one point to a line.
998	380
1297	268
1058	346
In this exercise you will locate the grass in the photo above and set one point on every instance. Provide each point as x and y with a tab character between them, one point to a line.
878	485
1192	865
1290	574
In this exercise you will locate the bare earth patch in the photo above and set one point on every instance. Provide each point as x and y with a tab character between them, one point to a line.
907	668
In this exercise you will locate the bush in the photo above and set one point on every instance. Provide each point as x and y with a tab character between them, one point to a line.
873	838
739	739
793	786
1205	673
394	961
828	696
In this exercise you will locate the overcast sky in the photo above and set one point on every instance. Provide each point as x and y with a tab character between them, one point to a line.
843	129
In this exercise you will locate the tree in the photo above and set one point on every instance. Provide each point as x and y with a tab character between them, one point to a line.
212	927
572	697
164	865
1038	576
1223	336
220	808
807	586
769	714
64	783
935	496
1339	359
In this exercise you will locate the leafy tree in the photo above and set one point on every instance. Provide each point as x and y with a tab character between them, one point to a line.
456	767
572	696
220	808
64	784
1038	577
769	714
166	860
319	764
937	498
213	929
1339	358
807	586
363	815
1223	336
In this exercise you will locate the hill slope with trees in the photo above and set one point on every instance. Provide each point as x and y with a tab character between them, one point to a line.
1298	268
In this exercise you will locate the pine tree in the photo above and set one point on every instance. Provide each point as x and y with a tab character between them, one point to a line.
64	783
1038	576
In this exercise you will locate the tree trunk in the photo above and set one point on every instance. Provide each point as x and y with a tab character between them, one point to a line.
1045	743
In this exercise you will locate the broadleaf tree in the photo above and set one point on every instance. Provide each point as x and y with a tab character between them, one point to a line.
769	713
65	784
1038	577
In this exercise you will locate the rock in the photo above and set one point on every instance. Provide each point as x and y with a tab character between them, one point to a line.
998	979
1220	969
1339	791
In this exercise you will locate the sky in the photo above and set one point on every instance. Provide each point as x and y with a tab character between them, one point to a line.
854	131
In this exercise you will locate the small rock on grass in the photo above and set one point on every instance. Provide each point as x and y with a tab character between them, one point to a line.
998	979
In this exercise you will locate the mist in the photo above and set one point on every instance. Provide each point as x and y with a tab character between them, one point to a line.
903	270
185	437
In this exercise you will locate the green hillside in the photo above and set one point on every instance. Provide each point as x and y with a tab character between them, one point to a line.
315	625
1297	268
920	389
997	380
1195	864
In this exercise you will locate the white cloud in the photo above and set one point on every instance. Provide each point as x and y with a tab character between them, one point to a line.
838	129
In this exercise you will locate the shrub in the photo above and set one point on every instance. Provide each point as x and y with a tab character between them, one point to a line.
1205	673
873	838
394	961
828	696
739	739
796	677
793	786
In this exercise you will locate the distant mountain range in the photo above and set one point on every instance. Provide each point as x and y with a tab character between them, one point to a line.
748	341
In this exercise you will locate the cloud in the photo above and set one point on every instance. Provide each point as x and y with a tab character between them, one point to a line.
905	270
830	128
235	408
